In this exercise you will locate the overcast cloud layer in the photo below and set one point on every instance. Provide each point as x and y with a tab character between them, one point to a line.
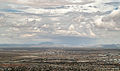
63	22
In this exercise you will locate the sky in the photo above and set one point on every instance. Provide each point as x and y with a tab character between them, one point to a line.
60	22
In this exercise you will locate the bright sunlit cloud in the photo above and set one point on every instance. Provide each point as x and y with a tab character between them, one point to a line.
27	21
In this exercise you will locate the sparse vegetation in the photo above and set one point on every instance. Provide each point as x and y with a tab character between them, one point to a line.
60	60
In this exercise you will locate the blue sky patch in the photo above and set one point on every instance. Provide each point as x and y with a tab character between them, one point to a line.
10	10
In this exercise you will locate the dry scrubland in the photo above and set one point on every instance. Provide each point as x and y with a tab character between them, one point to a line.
59	59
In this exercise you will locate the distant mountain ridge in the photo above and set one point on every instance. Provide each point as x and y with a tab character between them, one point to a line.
43	44
50	44
109	46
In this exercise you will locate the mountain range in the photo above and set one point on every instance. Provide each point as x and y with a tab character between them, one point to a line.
50	44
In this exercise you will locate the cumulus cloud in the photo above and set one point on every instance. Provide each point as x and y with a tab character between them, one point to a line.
27	35
24	19
110	21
